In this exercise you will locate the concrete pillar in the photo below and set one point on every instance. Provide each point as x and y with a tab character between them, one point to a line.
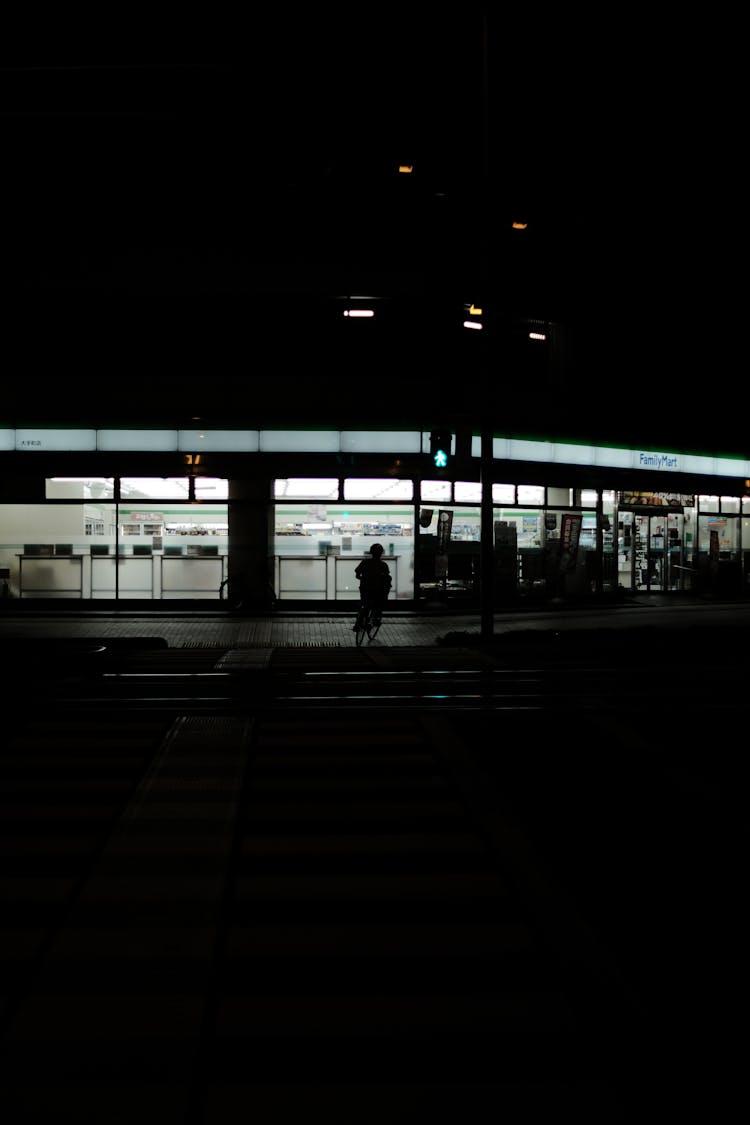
250	543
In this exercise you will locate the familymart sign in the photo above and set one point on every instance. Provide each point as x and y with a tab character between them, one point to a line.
669	462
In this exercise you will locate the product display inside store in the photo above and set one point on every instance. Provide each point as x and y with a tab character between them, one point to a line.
161	538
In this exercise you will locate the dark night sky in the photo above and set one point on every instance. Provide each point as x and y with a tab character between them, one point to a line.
168	182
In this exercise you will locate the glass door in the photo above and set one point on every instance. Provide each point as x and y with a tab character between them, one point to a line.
678	574
651	552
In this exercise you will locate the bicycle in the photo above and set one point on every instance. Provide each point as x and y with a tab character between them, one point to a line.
240	599
369	620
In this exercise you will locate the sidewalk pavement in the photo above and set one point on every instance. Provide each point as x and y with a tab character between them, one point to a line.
207	627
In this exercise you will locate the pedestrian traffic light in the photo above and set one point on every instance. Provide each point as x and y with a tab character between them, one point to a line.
440	448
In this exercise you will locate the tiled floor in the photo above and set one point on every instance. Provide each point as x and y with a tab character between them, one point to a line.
334	630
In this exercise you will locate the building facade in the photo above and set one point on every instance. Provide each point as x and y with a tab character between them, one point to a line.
258	517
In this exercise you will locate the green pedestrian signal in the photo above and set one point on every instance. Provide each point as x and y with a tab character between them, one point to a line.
440	448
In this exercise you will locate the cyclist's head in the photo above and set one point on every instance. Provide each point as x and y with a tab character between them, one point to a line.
376	550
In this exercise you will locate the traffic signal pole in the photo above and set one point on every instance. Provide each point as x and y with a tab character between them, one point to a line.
487	554
487	526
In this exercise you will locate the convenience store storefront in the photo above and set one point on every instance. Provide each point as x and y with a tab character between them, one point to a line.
178	525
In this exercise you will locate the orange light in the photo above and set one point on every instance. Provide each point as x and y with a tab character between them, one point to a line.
519	226
406	168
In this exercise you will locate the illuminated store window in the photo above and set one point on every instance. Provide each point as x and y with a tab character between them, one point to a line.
317	547
70	548
47	548
725	531
211	488
455	572
378	489
468	492
435	490
79	488
531	494
708	503
610	540
167	488
526	525
503	494
290	488
176	524
465	524
730	505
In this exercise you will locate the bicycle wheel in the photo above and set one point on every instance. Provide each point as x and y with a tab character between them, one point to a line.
373	625
361	628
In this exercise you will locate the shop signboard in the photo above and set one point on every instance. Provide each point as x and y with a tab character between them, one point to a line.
506	559
445	523
506	534
675	501
570	533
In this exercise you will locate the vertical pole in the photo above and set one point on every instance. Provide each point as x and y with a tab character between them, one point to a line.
599	570
487	527
485	101
118	497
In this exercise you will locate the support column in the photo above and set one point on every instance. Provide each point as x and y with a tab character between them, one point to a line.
250	543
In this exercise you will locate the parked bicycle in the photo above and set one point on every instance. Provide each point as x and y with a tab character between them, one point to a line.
241	600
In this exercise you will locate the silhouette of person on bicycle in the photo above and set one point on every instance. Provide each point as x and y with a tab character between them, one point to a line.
375	580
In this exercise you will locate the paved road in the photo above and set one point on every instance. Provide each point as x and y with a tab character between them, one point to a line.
381	881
